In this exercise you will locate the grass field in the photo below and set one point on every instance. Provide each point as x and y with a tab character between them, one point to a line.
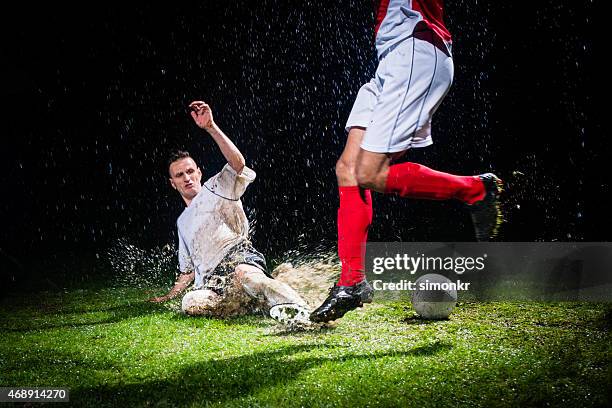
113	349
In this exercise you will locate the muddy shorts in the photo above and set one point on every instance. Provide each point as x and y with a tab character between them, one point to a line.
243	253
223	293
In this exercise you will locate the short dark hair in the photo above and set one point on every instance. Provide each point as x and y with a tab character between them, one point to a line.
177	155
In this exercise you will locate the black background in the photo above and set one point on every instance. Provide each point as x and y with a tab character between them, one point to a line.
95	97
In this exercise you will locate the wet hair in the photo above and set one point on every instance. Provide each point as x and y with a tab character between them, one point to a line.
177	155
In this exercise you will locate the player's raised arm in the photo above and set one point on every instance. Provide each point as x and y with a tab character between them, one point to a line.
203	117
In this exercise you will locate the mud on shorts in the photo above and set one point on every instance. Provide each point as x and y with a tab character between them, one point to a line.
243	253
396	107
223	294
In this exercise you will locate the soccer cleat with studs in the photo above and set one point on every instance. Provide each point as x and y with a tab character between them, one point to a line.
486	213
341	300
290	314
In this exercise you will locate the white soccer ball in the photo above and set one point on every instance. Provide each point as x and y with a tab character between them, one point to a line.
434	296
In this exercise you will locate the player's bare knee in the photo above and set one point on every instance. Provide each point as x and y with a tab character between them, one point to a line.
200	303
248	274
345	169
371	172
367	177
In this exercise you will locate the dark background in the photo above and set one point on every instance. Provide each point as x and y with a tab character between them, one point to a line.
95	97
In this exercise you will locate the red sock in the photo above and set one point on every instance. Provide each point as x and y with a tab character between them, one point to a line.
416	181
354	219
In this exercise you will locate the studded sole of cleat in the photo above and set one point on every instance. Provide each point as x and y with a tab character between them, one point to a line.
499	184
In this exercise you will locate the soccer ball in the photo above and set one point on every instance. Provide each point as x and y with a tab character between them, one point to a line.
434	296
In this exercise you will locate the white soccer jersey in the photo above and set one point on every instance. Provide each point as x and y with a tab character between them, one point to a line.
213	223
396	20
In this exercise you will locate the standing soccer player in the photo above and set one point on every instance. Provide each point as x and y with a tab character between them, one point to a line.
393	113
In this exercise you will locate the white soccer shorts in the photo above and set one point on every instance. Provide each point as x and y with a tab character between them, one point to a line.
396	107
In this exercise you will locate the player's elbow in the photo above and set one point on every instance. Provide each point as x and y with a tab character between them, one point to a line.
237	162
238	166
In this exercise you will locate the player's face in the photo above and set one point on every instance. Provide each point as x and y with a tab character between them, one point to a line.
185	177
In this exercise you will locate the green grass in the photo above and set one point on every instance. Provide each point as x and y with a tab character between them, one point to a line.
113	349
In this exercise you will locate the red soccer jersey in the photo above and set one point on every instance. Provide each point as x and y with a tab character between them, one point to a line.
431	10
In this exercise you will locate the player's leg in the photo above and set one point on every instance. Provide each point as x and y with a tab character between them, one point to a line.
282	301
480	193
354	212
354	219
266	290
417	77
412	180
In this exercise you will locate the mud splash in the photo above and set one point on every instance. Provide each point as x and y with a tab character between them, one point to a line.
311	272
310	276
133	266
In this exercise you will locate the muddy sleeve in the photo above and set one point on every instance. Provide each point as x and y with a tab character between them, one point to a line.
232	185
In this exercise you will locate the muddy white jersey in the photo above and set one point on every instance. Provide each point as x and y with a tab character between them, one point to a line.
213	223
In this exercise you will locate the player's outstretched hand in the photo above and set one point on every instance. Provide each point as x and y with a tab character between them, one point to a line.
201	114
159	299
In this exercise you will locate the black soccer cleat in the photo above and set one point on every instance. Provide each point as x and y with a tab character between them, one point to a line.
486	213
342	299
